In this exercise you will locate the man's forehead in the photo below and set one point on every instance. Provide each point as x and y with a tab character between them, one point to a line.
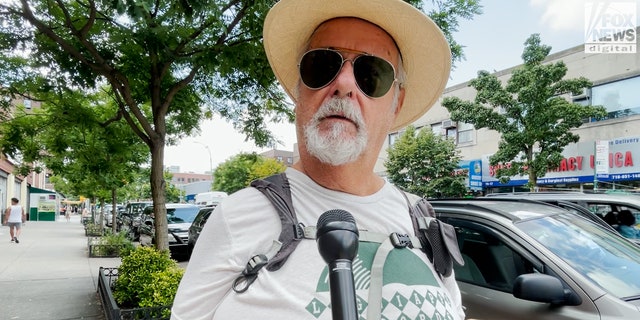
345	26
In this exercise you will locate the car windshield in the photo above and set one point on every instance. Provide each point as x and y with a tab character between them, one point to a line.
181	215
607	260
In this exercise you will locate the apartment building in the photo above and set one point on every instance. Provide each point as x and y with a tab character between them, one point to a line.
282	156
616	86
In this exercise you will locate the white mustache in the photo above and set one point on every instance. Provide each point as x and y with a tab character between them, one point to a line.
331	148
339	107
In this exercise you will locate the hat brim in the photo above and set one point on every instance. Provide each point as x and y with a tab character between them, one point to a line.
425	52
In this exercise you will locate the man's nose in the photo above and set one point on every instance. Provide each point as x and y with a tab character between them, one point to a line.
344	84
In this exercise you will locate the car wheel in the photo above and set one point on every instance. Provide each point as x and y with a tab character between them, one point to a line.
189	250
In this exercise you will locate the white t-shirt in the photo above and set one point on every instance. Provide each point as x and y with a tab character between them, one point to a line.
15	215
246	224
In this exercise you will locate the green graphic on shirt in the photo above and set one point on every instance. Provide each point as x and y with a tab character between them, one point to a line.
415	292
402	266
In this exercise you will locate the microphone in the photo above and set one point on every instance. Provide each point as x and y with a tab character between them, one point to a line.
337	239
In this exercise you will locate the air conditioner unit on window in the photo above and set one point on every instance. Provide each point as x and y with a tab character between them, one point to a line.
585	94
446	124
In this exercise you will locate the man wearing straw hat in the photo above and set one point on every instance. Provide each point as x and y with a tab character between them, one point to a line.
356	70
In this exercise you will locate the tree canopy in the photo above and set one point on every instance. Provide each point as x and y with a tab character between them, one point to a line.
425	164
238	171
167	63
531	112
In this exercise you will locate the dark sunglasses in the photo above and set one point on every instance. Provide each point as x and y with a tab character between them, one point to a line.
374	75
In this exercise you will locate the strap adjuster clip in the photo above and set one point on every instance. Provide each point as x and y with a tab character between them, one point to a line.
400	240
250	273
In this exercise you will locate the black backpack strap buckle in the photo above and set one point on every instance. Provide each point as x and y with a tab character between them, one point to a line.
400	240
250	273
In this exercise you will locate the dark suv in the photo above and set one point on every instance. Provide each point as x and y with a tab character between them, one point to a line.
179	219
198	224
130	219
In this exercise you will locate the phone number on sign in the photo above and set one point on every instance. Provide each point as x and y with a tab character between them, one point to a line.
625	176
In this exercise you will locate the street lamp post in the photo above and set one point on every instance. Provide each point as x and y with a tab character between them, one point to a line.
210	159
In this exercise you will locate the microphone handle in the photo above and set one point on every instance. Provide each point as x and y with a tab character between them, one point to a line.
343	293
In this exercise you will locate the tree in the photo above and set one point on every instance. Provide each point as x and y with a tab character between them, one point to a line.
530	112
86	156
238	171
425	164
163	60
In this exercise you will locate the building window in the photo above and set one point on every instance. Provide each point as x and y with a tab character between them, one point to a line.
279	158
452	133
436	128
620	98
27	104
465	133
393	137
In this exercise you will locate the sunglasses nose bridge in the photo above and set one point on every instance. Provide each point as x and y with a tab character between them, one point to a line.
348	72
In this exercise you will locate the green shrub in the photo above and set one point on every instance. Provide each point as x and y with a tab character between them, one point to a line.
162	290
112	244
137	273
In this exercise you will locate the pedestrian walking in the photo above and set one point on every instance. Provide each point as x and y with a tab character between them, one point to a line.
14	217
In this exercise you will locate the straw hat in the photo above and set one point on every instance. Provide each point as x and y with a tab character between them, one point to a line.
425	51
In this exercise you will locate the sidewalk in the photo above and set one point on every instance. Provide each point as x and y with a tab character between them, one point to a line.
49	275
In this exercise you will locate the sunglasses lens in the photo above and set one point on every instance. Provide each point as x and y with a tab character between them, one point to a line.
373	75
319	67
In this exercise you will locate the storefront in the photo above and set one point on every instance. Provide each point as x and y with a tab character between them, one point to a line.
580	168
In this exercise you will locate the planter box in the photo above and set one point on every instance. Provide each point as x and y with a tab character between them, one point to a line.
106	280
99	250
93	231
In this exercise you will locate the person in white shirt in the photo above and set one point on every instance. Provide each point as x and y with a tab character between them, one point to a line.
356	70
14	216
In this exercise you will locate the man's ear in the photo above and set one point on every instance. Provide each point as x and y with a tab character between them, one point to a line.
400	101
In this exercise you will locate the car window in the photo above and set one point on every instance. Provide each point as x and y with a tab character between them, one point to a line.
203	216
181	215
489	261
599	208
607	260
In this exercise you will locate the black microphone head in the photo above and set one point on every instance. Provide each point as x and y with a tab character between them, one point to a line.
337	235
334	216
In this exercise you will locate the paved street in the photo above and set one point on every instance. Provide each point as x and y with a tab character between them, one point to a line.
49	275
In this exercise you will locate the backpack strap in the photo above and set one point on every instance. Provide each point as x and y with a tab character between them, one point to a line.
277	189
431	235
438	239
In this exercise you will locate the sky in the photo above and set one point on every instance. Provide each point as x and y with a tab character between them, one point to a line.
492	41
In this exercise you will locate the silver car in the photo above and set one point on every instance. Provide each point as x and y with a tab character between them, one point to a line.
531	260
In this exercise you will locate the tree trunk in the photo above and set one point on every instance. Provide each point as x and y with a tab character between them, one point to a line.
158	195
533	181
114	210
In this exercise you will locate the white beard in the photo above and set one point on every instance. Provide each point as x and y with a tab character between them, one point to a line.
332	148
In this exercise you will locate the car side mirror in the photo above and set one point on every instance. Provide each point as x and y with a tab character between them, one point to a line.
544	288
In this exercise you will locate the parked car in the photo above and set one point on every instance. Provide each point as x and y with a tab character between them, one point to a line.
532	260
197	225
598	203
131	218
179	219
108	213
